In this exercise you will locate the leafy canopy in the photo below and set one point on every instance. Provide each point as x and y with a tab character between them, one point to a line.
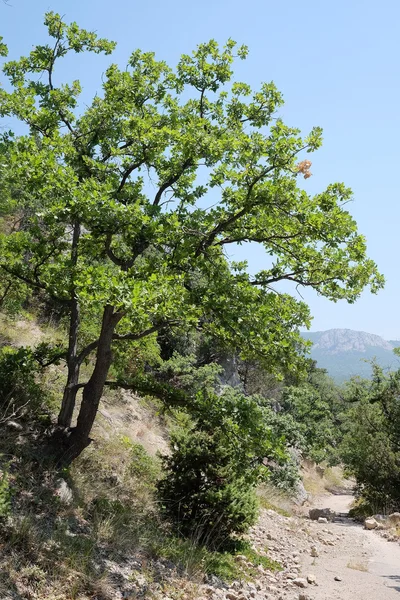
164	172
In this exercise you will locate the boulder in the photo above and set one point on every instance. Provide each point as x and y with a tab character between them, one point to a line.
301	496
325	513
63	491
370	523
394	518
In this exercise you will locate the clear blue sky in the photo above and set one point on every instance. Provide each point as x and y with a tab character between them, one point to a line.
337	64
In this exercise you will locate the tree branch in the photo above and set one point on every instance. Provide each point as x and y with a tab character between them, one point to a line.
124	336
128	172
173	179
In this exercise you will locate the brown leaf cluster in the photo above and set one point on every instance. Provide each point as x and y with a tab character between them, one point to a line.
304	168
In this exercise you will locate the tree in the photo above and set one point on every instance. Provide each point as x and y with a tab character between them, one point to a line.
127	208
371	446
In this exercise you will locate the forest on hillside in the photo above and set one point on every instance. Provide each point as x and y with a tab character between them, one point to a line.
115	223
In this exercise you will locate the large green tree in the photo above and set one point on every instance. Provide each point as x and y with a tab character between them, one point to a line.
125	210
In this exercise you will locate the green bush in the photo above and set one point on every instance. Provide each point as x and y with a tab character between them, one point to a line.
370	449
142	465
5	494
208	492
202	494
20	393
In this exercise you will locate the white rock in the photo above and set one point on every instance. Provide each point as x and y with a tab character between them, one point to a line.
322	520
300	582
370	523
312	580
64	492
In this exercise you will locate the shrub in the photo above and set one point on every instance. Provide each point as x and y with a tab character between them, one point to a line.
19	391
209	489
5	494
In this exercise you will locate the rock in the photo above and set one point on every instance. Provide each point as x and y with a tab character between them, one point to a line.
303	596
312	580
240	558
322	520
300	495
370	523
14	425
63	491
314	552
231	596
300	582
215	581
337	578
394	518
326	513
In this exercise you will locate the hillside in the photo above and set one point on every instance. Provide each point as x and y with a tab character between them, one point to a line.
345	353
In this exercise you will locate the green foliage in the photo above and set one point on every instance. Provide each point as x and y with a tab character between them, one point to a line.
5	494
90	229
142	465
313	419
190	556
371	445
20	393
208	490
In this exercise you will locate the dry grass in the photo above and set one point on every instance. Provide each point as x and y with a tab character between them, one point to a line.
318	479
271	498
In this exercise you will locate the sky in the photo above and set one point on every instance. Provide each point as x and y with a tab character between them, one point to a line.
337	65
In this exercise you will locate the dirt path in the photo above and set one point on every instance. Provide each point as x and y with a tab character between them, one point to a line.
367	565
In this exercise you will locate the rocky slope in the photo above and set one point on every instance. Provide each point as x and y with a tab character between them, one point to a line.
319	561
345	353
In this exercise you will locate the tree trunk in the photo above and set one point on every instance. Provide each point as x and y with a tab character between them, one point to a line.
70	390
93	390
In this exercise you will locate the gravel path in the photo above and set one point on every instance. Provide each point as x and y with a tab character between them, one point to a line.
367	565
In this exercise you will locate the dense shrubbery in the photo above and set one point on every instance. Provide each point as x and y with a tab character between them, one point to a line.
371	445
20	393
208	490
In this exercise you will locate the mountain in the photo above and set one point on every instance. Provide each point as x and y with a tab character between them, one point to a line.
345	352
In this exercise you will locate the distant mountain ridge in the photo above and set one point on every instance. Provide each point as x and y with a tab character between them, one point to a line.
344	352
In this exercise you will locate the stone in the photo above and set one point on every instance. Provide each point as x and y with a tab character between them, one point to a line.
322	520
326	513
337	578
312	580
314	552
63	491
300	582
14	425
300	495
370	523
394	518
303	596
231	596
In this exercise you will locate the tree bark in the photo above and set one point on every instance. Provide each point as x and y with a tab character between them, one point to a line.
71	389
93	390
